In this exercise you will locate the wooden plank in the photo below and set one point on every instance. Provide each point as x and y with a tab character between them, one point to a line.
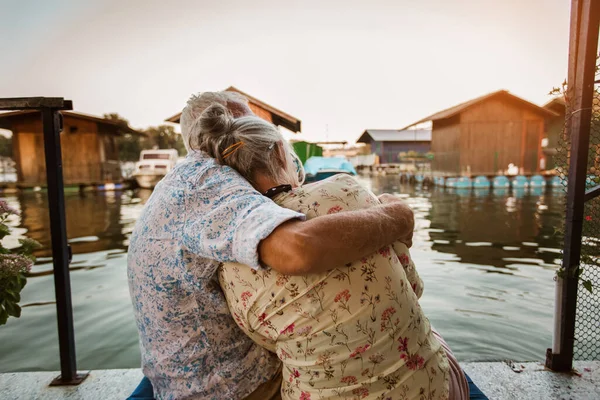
35	103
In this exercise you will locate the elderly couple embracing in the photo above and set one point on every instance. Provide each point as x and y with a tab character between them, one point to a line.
247	284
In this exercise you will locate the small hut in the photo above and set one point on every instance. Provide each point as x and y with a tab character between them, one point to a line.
89	149
262	110
306	150
484	135
389	143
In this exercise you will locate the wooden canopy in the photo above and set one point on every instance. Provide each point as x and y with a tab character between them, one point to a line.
7	118
277	116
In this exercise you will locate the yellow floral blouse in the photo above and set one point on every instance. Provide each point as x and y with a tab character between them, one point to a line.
355	332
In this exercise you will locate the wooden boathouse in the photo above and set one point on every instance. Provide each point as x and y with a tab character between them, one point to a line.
484	135
89	149
262	110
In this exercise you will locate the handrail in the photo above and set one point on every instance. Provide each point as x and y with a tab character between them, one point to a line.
61	252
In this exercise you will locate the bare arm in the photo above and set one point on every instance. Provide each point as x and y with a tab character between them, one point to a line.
319	244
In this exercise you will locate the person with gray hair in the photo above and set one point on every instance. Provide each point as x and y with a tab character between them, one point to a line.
204	213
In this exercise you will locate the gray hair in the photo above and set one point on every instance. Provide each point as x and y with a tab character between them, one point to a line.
248	145
198	103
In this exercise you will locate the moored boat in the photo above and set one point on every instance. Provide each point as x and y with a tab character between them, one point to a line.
319	168
153	166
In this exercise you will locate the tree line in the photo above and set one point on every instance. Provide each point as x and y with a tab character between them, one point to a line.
161	137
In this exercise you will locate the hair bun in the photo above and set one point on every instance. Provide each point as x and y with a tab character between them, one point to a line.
216	120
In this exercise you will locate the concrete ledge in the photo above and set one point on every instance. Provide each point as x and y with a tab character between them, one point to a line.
531	381
100	385
498	380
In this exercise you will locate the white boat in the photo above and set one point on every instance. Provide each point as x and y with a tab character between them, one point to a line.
153	166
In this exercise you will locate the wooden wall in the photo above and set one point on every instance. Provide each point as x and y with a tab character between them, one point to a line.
445	139
81	152
487	137
261	112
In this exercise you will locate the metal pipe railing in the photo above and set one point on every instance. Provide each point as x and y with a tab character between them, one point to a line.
61	255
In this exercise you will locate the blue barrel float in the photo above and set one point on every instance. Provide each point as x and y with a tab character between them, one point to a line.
481	182
556	182
520	182
439	180
501	182
537	181
451	182
463	183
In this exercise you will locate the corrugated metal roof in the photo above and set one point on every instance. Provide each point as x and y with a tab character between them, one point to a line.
394	135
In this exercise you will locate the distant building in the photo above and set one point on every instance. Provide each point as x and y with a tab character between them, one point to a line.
554	128
306	150
388	143
484	135
262	110
89	150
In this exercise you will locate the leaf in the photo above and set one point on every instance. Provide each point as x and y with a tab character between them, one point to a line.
12	309
11	296
588	285
4	231
3	316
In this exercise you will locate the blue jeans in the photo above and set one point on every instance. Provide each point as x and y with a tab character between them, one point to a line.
144	391
474	392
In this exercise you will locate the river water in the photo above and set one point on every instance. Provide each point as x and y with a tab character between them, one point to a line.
487	258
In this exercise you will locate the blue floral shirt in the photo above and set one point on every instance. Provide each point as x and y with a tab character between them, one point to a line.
199	215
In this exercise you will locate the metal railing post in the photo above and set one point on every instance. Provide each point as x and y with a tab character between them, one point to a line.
61	252
585	20
51	121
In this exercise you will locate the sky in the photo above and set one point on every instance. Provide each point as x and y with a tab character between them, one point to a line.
340	66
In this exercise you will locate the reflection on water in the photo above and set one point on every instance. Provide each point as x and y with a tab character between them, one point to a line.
487	259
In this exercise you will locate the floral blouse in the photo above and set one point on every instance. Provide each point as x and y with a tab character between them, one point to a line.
354	332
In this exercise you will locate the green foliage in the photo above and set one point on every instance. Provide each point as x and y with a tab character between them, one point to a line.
165	137
6	147
161	137
14	265
414	155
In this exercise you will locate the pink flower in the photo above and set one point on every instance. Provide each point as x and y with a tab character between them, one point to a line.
588	218
6	209
404	260
305	331
284	355
304	396
385	316
262	318
359	350
245	297
345	295
385	251
288	330
403	344
349	380
12	265
361	392
335	209
414	361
